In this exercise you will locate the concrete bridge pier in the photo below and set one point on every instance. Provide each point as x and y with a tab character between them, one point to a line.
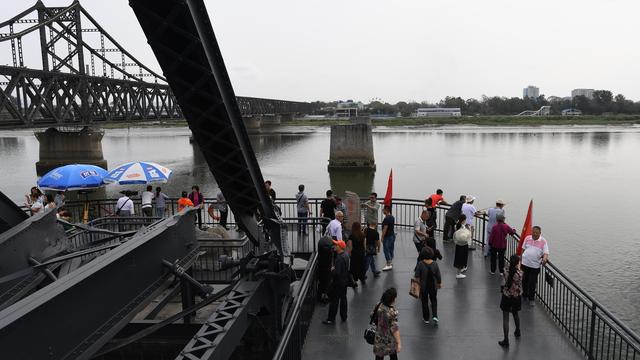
58	148
351	147
252	122
270	120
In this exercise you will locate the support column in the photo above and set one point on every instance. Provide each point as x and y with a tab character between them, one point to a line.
58	148
252	122
268	120
351	147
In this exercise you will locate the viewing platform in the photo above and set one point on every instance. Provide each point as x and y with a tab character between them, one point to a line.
565	323
468	309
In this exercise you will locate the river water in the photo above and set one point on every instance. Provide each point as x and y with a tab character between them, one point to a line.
583	180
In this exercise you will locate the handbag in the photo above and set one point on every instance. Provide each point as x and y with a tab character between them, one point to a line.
462	236
414	289
370	331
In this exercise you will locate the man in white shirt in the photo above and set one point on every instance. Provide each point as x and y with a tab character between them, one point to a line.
147	201
124	206
535	254
470	211
335	226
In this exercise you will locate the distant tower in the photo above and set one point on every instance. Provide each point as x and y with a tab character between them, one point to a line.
531	92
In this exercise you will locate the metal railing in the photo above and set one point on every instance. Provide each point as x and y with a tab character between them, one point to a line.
299	318
594	330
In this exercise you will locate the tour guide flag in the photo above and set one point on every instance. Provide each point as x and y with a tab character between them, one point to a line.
388	196
526	228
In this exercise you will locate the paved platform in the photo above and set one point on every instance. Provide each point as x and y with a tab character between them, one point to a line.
470	318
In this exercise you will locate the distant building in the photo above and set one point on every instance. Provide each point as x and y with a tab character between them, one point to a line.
350	104
571	112
530	92
438	112
588	93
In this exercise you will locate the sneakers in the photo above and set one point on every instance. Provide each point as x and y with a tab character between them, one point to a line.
463	269
516	333
328	322
504	343
461	276
502	274
426	321
387	267
376	274
435	320
492	272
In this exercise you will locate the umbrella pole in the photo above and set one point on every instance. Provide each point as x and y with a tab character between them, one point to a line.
85	215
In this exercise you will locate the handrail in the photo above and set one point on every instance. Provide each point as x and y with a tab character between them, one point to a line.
306	284
591	299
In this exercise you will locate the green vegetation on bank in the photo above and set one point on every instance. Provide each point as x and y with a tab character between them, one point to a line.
409	121
485	120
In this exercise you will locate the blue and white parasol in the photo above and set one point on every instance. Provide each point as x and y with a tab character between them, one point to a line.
73	177
138	172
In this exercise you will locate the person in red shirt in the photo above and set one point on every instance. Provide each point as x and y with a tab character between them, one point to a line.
498	243
438	199
184	201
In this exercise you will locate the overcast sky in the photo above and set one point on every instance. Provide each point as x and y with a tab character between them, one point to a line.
406	50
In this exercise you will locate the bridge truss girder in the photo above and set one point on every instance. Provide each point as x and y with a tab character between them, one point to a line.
35	98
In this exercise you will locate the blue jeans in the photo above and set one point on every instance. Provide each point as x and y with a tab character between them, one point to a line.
370	261
387	246
302	223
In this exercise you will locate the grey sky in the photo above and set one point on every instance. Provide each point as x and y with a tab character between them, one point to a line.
407	50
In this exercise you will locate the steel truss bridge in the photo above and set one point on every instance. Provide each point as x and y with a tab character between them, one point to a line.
87	77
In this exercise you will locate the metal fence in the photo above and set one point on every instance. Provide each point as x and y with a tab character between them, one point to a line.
595	331
299	318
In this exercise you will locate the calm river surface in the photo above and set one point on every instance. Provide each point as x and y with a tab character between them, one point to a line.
584	182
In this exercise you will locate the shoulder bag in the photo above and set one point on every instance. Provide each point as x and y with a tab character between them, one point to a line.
370	331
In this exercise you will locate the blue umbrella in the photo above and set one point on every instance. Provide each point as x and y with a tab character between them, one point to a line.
139	172
73	177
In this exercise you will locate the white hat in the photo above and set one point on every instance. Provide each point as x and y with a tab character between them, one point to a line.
470	198
500	201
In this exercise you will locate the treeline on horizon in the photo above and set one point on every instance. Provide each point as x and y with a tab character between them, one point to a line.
603	102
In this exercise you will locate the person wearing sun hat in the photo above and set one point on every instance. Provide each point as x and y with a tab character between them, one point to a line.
340	280
492	214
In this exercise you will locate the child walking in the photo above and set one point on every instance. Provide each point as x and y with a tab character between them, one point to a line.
511	301
428	274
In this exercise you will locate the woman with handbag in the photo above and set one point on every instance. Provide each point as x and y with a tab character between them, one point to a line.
428	274
461	238
511	301
387	340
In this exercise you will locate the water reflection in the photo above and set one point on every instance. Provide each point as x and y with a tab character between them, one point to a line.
359	181
600	139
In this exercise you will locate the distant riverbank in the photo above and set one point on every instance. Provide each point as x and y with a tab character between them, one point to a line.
465	120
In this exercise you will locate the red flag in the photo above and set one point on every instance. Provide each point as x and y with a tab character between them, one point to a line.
388	196
526	228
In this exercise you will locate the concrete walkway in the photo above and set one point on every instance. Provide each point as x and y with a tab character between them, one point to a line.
470	317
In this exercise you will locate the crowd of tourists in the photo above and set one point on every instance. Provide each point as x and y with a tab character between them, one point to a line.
345	256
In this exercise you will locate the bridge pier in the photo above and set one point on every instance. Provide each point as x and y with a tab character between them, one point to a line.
58	148
351	147
252	122
270	120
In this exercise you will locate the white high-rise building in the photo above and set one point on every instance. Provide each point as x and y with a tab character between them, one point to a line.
588	93
531	92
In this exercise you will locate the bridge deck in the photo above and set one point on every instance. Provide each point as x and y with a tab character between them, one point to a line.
470	318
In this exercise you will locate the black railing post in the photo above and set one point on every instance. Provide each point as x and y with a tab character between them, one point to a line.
592	331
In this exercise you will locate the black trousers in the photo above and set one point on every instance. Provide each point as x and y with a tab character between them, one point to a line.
223	218
391	357
449	223
199	217
529	282
338	295
497	254
425	298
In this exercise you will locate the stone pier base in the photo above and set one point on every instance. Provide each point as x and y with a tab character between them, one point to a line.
351	147
58	148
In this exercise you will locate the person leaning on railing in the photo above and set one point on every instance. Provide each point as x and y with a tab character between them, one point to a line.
535	254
